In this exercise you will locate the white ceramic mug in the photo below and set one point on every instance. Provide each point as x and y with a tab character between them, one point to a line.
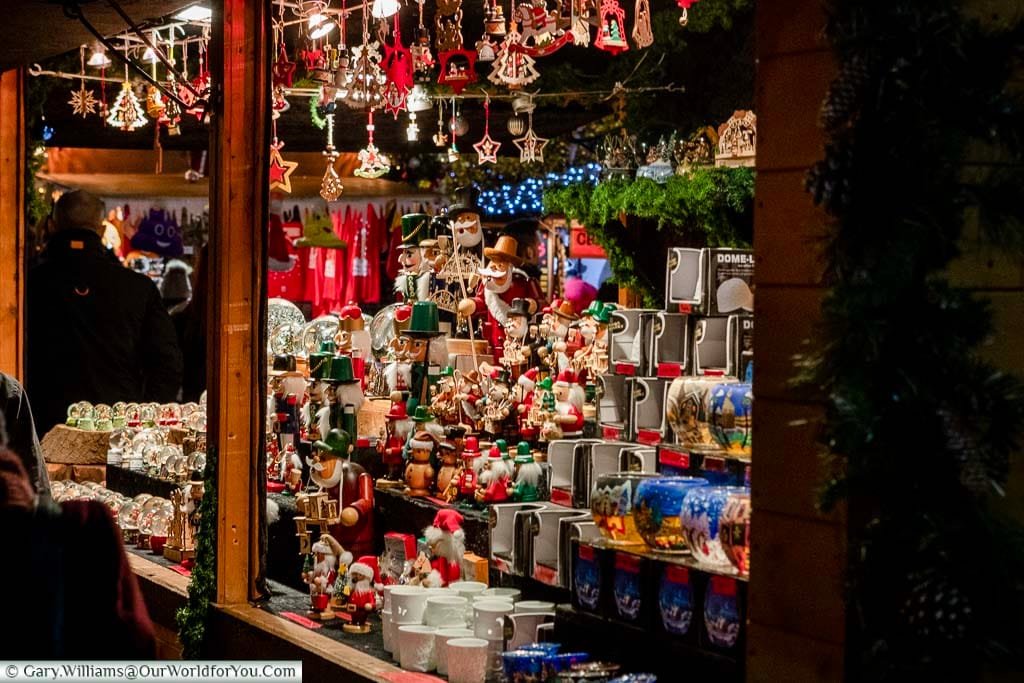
445	611
408	604
416	646
534	606
386	626
441	638
467	660
524	627
512	594
489	618
387	594
467	589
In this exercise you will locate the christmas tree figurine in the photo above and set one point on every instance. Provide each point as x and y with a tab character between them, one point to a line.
609	36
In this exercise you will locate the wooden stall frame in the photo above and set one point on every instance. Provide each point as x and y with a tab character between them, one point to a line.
239	145
12	222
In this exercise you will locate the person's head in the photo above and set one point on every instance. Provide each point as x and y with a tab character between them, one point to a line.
15	486
78	210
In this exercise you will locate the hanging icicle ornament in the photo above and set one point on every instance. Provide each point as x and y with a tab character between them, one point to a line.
611	36
422	59
280	170
360	262
82	101
487	148
330	186
398	68
531	147
456	129
513	68
642	35
127	113
412	131
372	164
440	137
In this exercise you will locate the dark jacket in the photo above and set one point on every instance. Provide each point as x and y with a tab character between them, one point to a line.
20	431
97	331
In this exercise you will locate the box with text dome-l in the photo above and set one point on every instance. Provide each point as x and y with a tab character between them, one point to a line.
710	281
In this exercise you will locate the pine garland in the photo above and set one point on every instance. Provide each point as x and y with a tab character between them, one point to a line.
919	427
706	207
202	588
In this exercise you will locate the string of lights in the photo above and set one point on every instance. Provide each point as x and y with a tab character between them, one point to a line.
525	197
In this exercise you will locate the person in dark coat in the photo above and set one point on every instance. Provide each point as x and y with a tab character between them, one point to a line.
21	432
68	578
97	331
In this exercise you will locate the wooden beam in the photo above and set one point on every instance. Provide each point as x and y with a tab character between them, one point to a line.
239	195
12	222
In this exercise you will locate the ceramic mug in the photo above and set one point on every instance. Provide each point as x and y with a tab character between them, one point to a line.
701	512
387	594
656	511
523	627
408	604
470	590
386	630
534	606
441	638
611	504
467	660
416	647
488	618
512	594
445	611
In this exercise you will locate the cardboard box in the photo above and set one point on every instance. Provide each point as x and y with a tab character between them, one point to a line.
670	345
740	334
710	281
475	568
647	409
711	346
629	330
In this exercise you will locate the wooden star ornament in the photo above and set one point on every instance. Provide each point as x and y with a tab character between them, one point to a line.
531	147
280	170
82	101
487	148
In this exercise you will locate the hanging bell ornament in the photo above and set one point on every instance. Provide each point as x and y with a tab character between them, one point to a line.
516	124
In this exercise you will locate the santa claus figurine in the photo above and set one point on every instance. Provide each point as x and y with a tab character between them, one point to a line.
467	476
569	404
502	283
447	543
495	478
525	386
319	575
364	579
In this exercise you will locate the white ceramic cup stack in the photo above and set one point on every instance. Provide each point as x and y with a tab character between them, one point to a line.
469	590
512	594
387	594
489	619
467	660
408	604
530	606
445	611
441	638
387	630
416	646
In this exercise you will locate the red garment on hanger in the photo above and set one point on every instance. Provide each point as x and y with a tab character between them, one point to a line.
364	234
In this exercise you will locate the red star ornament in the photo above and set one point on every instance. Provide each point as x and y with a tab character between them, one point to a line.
280	170
283	71
398	67
458	69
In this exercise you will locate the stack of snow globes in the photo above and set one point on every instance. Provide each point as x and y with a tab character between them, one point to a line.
144	520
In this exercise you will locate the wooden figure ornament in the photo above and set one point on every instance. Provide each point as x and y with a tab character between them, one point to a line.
642	35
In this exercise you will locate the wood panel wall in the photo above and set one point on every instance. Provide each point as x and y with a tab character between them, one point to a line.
797	612
12	222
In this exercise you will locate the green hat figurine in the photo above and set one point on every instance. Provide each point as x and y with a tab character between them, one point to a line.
318	231
599	311
523	453
545	384
422	414
447	371
502	447
341	370
414	229
424	322
338	442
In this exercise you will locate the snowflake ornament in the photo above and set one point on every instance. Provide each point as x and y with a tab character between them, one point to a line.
83	102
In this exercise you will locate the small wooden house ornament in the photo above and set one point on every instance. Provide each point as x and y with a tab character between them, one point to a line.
737	140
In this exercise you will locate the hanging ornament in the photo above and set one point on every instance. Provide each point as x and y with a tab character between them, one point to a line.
458	69
398	68
82	101
280	170
360	262
127	112
513	68
456	125
279	104
330	186
372	164
448	25
540	26
579	22
367	78
531	147
283	71
412	131
611	36
494	19
685	5
440	138
642	35
516	124
487	148
422	60
486	50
